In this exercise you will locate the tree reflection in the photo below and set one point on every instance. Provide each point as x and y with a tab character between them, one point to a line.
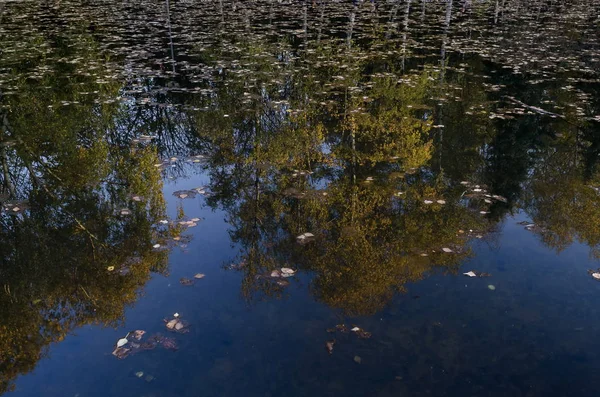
70	255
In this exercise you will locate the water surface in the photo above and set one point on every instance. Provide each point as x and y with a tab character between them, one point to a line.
379	150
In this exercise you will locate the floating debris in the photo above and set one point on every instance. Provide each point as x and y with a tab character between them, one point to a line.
186	281
361	333
329	345
177	325
357	359
491	287
595	274
287	272
122	342
447	250
199	276
137	334
121	352
471	273
305	238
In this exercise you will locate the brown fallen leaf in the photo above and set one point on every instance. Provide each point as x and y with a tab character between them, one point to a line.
329	345
137	334
186	281
121	352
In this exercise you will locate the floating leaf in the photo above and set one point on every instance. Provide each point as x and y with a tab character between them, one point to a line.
447	250
357	359
198	275
186	281
305	238
470	274
329	345
137	334
595	274
122	342
121	352
177	325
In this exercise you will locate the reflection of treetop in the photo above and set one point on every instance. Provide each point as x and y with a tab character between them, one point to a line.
69	255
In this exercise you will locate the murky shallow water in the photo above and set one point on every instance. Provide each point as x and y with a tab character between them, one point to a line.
143	143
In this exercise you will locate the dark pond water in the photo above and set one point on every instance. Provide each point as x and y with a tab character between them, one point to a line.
163	162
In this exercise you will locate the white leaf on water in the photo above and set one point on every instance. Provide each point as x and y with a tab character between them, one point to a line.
156	246
355	329
122	342
428	202
441	202
447	250
287	270
470	274
596	275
